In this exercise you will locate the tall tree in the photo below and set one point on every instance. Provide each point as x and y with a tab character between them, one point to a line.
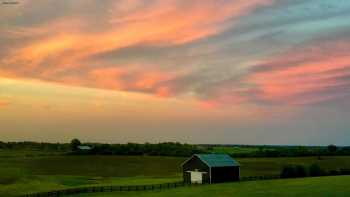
74	144
332	148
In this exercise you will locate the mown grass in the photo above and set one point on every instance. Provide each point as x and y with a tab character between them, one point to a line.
337	186
48	183
22	174
27	172
106	166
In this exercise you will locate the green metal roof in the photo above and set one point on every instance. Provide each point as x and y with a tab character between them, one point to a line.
217	160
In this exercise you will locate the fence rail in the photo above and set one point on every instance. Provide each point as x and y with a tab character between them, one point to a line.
254	178
96	189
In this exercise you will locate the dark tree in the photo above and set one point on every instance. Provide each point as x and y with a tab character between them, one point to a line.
332	148
288	172
300	171
292	171
74	144
2	145
315	170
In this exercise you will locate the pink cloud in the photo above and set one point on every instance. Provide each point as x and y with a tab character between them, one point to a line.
57	50
126	78
304	75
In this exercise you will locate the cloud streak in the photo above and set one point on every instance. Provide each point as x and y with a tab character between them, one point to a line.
64	44
82	49
316	72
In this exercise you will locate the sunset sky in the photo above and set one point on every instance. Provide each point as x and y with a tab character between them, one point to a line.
199	71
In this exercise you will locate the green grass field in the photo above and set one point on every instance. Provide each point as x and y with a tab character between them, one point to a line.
26	172
337	186
234	149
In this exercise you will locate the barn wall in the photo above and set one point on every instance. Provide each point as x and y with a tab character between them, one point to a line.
224	174
191	165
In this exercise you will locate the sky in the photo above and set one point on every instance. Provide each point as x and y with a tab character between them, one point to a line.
200	71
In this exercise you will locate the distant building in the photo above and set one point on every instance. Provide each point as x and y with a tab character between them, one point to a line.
210	168
84	148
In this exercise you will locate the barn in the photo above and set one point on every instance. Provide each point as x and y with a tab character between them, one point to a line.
210	168
84	148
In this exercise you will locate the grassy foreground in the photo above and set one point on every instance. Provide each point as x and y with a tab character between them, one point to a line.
49	183
25	173
336	186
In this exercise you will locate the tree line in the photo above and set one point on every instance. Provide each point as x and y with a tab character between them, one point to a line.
73	148
287	151
295	171
36	146
158	149
172	149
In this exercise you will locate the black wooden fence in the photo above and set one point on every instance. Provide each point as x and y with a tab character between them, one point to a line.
268	177
163	186
95	189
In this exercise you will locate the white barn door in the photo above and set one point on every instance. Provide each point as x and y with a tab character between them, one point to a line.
196	176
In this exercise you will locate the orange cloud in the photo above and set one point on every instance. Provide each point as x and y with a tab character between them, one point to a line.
4	103
164	91
127	78
58	48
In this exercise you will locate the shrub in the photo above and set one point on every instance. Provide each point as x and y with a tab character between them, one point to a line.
334	172
332	148
288	172
74	144
344	171
315	170
300	171
292	171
